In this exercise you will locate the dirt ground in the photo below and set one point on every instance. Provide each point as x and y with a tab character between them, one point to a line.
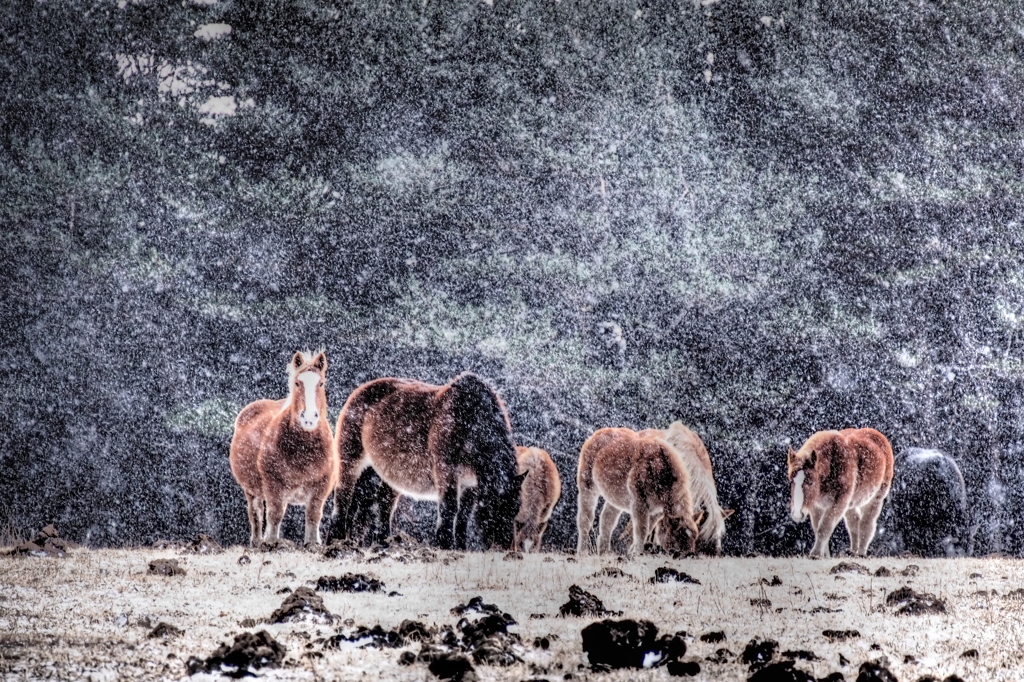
89	615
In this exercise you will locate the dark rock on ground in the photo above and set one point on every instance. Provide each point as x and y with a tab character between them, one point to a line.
801	654
455	667
610	572
513	556
970	653
833	677
376	637
849	567
721	656
761	603
407	658
583	603
165	567
349	582
781	672
683	668
343	549
164	630
912	603
203	544
244	560
46	543
874	672
415	631
300	604
666	574
840	635
883	572
713	637
910	571
476	605
249	651
758	653
619	643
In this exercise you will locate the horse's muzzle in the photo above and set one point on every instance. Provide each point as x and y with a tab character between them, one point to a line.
309	420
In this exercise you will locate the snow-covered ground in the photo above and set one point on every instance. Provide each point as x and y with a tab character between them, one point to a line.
87	616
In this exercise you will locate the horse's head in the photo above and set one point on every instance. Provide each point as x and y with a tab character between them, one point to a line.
308	396
678	533
803	483
496	516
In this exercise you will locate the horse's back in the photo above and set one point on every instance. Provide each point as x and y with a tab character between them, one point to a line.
250	425
874	455
542	477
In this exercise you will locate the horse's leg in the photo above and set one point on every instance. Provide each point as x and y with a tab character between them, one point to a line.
314	513
869	521
387	499
466	504
609	519
254	509
447	508
826	525
276	507
586	506
852	520
640	516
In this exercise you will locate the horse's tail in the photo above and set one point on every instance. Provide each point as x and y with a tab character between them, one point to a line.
702	483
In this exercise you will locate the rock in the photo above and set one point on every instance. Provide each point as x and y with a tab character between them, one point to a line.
720	656
244	560
249	650
683	668
801	654
164	630
666	574
451	666
165	567
873	672
780	672
407	658
343	549
46	543
610	572
349	582
911	603
761	603
840	635
513	556
774	582
415	631
758	653
970	653
375	637
301	604
713	637
203	544
476	605
849	567
583	603
883	572
619	643
910	570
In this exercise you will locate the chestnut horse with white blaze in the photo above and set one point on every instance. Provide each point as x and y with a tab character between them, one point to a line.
640	475
841	475
540	491
450	444
703	491
282	452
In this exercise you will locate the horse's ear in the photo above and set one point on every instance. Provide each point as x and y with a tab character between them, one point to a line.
812	460
790	456
698	517
320	362
726	513
519	478
296	361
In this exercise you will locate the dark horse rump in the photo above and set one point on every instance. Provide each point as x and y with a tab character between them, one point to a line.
927	513
451	444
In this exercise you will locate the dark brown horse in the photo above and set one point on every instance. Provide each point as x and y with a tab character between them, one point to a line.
450	444
282	452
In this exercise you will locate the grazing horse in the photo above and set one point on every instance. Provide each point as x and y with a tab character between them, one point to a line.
841	475
640	475
282	452
927	510
541	490
451	444
691	449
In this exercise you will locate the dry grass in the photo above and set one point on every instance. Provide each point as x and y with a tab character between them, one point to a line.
78	617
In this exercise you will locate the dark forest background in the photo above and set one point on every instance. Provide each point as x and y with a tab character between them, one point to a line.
763	218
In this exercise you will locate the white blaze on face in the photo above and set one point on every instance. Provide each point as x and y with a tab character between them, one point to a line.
798	497
309	416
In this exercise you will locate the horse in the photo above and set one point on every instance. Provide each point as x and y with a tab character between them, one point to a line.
450	444
690	448
540	491
927	510
283	452
641	475
840	475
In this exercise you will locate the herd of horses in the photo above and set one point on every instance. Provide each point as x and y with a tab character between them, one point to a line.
453	445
